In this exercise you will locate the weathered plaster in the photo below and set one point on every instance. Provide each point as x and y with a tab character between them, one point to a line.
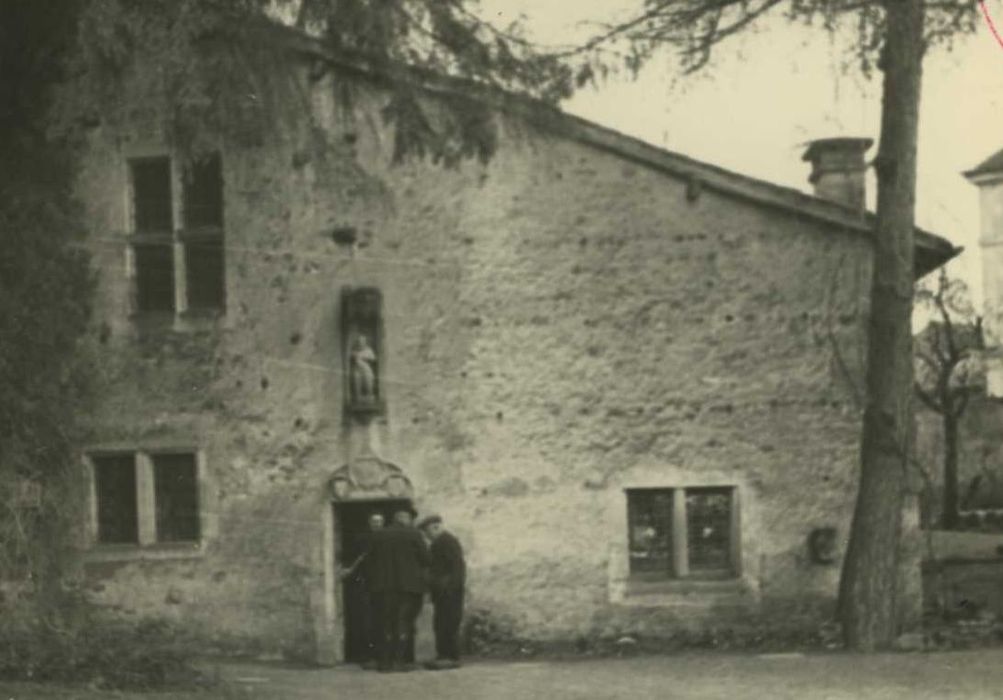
560	323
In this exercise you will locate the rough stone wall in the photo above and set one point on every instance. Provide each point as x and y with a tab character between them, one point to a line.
560	323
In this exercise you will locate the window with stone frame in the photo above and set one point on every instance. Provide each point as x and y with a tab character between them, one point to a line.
151	196
153	234
145	498
175	490
168	259
689	533
203	234
115	491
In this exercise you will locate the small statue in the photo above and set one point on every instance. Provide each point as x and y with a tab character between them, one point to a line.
362	371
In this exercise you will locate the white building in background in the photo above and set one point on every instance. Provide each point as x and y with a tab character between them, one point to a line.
988	177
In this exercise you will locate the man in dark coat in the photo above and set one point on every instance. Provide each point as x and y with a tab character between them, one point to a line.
447	579
398	564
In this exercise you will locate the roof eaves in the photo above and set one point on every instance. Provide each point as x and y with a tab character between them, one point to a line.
990	166
934	250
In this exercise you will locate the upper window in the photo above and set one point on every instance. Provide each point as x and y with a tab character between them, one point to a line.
151	195
204	273
178	269
682	533
124	483
203	198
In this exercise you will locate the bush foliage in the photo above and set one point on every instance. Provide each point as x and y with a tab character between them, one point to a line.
86	646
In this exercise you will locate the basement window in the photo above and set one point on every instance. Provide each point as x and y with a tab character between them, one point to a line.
146	498
689	533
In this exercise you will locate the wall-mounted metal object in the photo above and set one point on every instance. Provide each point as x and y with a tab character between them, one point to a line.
822	545
345	235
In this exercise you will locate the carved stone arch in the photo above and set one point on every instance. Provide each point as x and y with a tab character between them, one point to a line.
364	478
367	478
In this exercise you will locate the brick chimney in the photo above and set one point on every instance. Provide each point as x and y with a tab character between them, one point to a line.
838	169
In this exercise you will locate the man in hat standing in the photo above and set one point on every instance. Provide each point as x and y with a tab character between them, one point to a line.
398	561
447	580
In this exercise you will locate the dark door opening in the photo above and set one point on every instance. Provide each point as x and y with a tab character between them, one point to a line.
351	533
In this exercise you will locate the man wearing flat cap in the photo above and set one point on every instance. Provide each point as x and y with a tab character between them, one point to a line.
398	561
447	578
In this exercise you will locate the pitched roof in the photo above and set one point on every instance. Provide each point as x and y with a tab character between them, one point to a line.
931	251
992	164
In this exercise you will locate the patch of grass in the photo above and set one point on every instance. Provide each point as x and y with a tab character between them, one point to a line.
492	636
96	651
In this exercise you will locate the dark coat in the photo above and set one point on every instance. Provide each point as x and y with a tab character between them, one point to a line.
398	560
448	570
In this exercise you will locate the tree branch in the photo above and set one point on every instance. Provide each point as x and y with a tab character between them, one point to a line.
927	399
962	395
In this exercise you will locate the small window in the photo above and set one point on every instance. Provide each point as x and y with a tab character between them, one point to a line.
682	533
203	194
151	190
650	516
176	493
115	487
175	488
205	275
708	532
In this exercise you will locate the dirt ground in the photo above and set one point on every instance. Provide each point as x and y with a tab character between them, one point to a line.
971	674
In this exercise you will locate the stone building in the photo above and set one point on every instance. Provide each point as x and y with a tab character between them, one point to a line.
980	443
624	377
988	177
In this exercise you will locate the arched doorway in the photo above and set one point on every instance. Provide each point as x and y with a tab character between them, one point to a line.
357	490
351	523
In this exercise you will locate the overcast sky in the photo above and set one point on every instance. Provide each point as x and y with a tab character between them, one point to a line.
767	93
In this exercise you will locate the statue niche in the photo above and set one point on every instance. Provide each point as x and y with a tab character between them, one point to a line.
362	336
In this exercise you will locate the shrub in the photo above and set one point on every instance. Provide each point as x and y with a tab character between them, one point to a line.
92	648
488	634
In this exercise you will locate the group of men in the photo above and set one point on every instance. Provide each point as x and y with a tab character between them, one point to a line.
399	564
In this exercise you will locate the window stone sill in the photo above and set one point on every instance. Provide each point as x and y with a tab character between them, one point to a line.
188	321
152	320
200	320
131	552
684	593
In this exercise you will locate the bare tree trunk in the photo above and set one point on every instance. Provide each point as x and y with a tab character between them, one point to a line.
869	584
950	508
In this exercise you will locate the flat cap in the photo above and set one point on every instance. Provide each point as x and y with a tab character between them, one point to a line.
406	508
429	520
